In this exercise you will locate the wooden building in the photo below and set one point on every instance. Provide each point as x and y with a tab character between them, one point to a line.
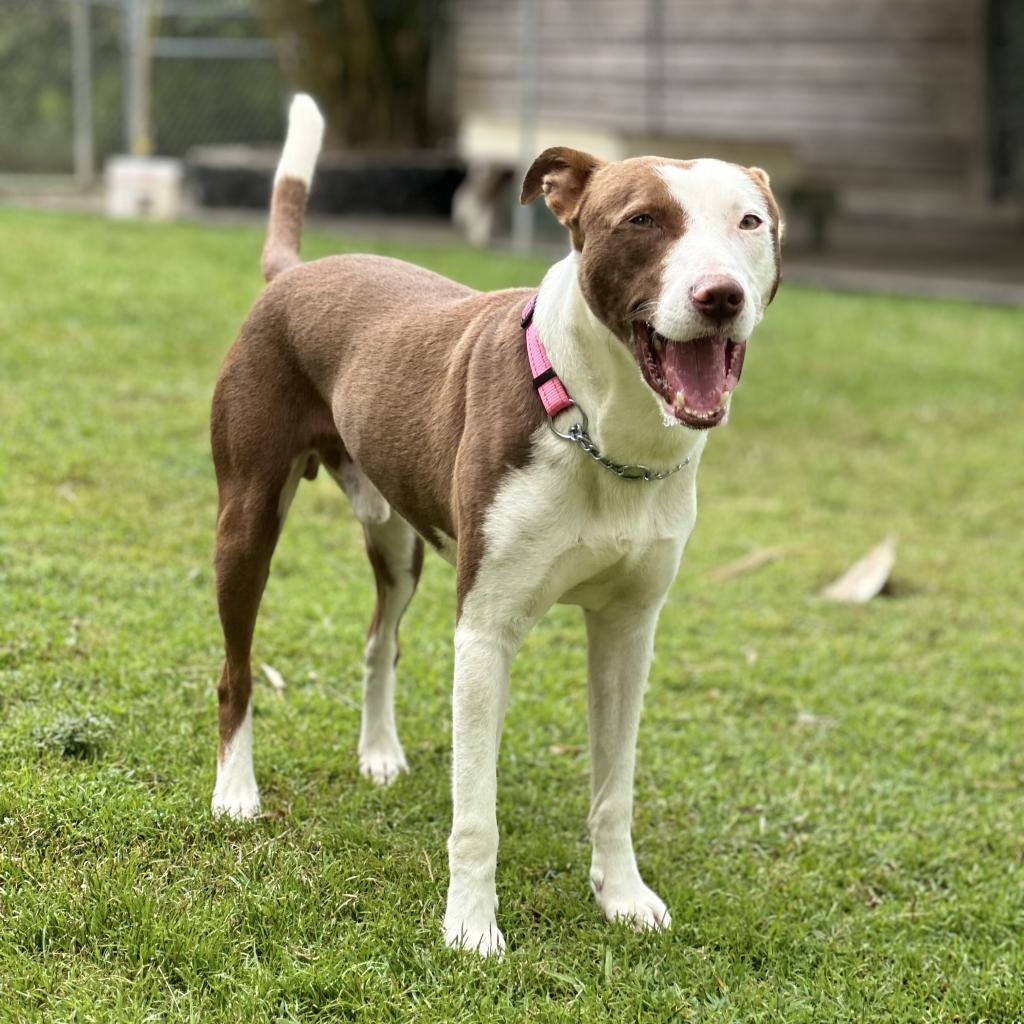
907	109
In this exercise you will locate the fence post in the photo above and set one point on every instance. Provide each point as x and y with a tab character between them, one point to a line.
529	96
81	92
136	48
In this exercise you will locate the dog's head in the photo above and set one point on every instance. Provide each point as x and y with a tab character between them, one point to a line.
677	258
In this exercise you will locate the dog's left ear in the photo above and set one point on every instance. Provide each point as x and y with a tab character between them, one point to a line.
561	174
761	175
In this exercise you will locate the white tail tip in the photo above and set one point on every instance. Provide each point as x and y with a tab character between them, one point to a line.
302	144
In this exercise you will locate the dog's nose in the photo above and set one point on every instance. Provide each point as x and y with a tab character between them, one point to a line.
717	296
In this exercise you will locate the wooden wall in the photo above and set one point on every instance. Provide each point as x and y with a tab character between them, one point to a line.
867	93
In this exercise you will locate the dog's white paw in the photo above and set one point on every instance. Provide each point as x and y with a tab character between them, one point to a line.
632	902
382	764
470	924
479	936
240	803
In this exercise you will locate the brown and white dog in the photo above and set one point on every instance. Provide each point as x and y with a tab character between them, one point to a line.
415	394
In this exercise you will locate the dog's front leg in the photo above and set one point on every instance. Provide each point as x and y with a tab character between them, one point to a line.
478	709
620	638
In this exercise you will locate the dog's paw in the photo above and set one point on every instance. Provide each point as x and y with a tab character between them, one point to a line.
483	937
236	802
382	764
634	903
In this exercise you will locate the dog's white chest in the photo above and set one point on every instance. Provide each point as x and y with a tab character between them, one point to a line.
563	529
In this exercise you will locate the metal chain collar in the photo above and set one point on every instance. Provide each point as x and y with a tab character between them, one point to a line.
578	435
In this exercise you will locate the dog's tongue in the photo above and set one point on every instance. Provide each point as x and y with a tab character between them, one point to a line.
696	368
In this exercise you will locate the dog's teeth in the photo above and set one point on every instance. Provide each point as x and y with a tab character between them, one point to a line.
680	400
699	414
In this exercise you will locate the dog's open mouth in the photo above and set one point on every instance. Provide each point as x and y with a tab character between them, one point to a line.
694	378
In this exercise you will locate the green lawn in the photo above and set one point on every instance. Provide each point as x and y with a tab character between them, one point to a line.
830	799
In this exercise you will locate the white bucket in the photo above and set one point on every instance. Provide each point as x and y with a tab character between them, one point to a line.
145	187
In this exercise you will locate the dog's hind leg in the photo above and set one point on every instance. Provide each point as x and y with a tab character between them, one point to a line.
251	513
396	554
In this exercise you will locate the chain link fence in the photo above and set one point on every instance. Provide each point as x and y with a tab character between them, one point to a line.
83	79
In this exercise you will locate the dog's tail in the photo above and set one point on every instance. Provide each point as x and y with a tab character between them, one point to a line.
291	186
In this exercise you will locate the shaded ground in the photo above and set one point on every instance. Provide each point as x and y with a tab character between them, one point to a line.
983	264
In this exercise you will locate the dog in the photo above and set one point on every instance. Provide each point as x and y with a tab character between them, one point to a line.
544	441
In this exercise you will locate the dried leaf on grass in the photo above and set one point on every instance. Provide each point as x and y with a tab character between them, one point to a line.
274	677
564	748
867	577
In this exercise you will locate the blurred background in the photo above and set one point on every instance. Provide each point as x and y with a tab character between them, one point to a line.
893	132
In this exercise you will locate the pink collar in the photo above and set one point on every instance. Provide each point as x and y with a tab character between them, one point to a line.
549	388
555	399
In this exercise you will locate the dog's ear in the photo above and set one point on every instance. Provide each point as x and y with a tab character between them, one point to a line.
561	174
761	175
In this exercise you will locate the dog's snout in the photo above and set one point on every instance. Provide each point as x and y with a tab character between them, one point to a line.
718	297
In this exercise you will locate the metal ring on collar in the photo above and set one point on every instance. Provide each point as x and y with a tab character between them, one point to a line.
582	425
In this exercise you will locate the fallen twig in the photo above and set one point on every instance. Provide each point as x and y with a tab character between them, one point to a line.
748	563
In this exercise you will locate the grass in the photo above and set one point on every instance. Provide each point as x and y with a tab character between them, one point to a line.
829	798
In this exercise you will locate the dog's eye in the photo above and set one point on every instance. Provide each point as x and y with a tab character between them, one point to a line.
750	221
643	220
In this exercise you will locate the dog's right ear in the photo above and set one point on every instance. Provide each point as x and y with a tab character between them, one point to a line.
561	174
